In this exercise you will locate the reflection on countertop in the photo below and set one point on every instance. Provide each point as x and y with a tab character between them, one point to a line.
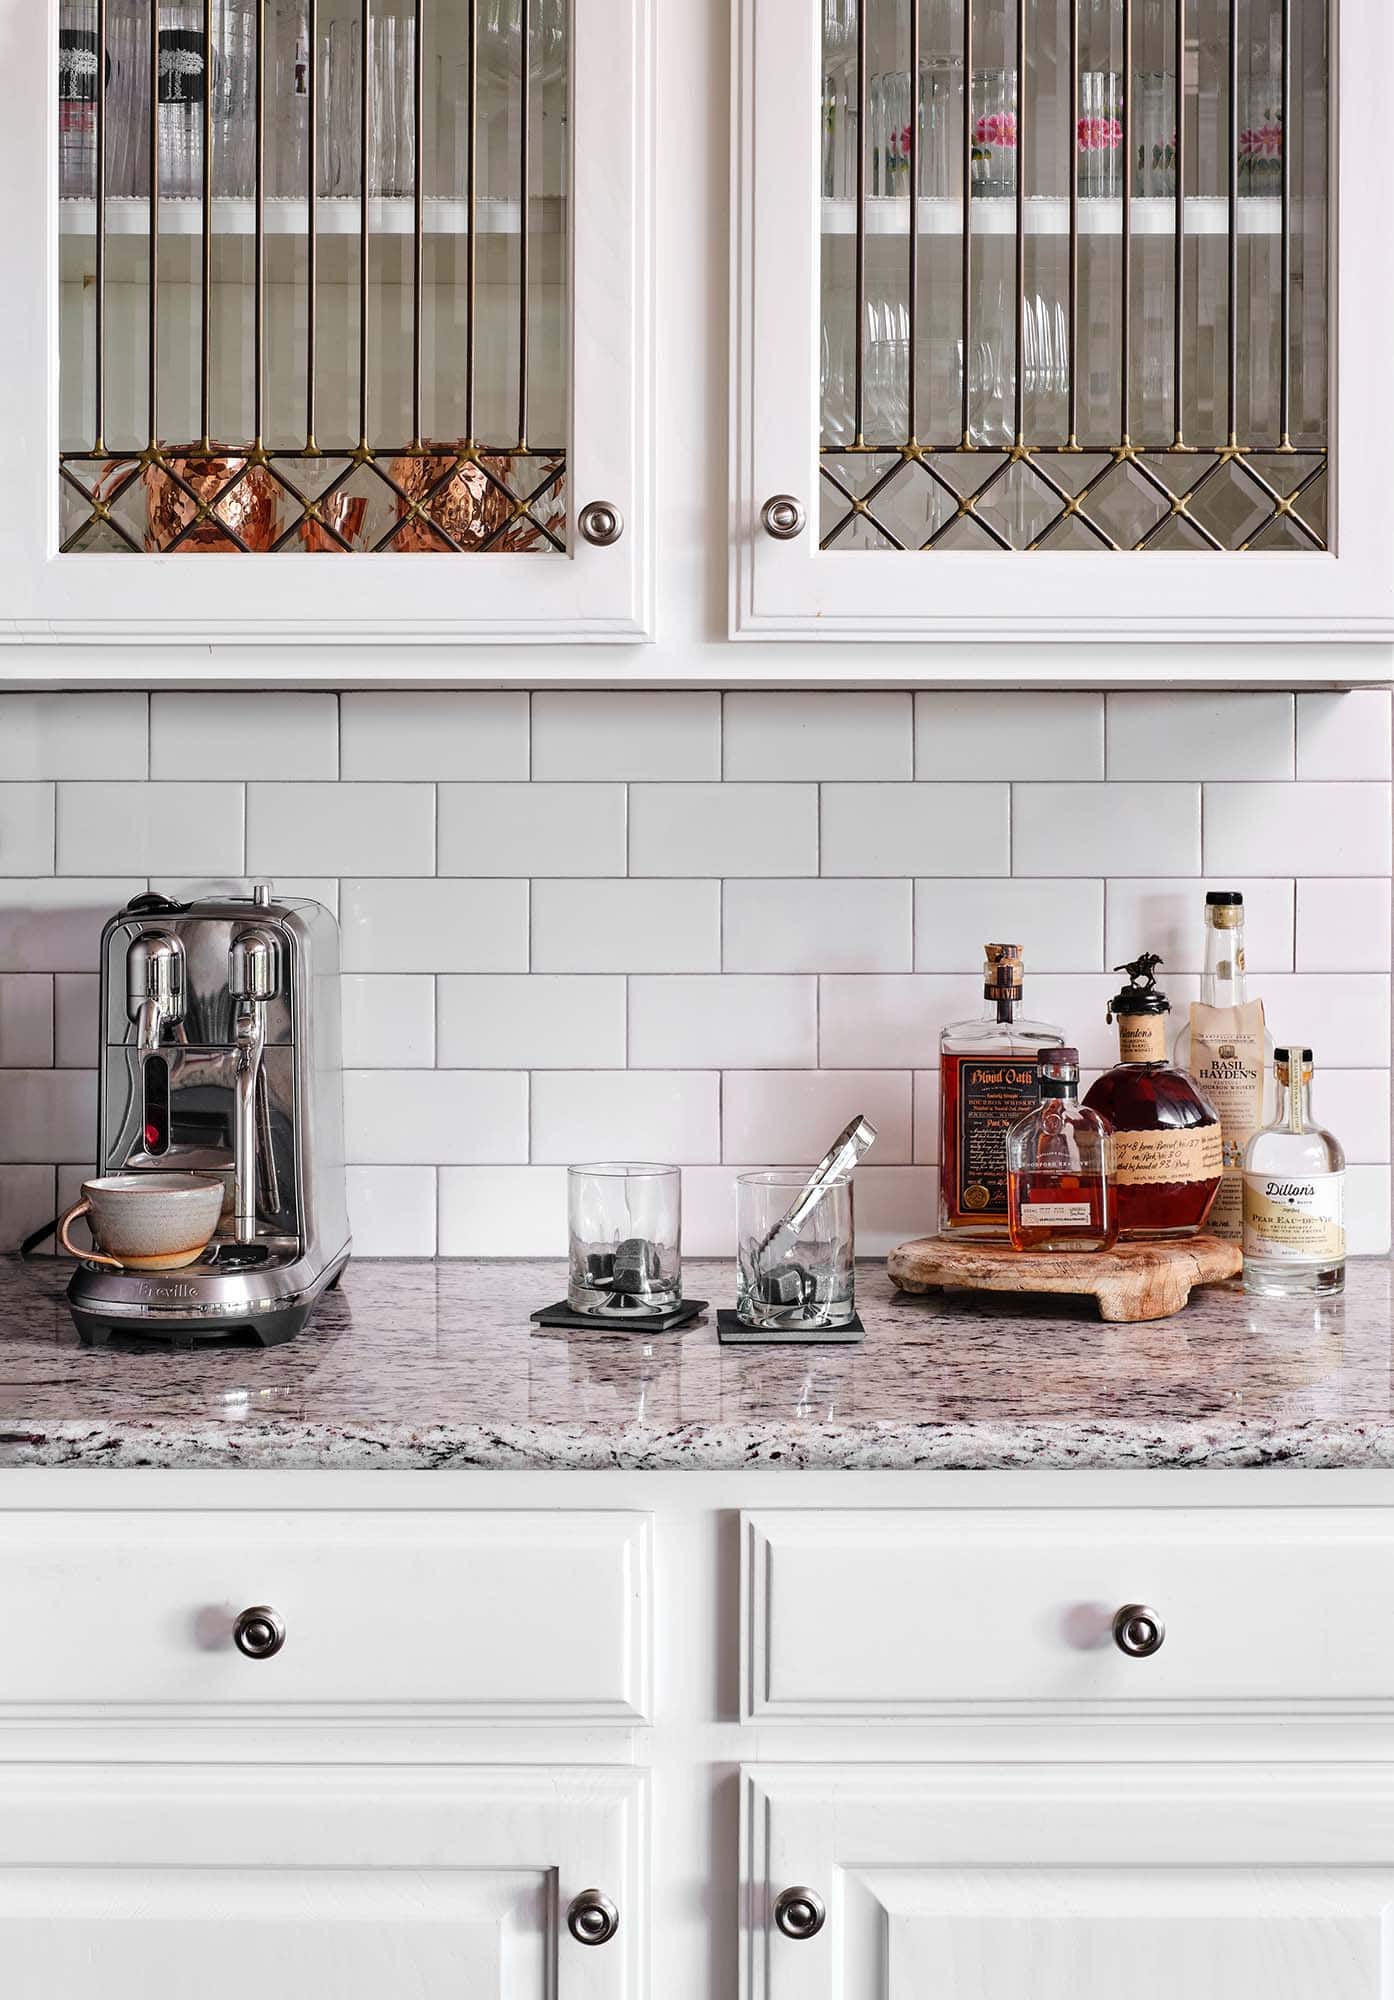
422	1364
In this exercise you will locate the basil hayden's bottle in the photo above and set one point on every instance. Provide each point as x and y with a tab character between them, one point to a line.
1226	1047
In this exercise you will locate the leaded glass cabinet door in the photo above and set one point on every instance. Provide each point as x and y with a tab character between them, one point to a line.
324	287
1062	319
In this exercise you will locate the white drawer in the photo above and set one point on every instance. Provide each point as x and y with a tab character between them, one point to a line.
910	1612
529	1614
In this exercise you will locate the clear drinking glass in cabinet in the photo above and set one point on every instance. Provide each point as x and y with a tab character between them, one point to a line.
313	276
1075	275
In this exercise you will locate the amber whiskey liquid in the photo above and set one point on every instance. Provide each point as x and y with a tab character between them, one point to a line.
987	1081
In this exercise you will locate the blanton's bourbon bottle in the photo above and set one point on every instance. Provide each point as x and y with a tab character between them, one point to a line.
1167	1155
987	1080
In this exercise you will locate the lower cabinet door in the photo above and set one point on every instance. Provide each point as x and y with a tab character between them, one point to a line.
304	1884
1181	1883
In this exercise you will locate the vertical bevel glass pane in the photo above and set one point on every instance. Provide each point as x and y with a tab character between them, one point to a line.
293	371
1102	142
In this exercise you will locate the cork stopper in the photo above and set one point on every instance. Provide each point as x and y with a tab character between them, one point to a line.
1002	971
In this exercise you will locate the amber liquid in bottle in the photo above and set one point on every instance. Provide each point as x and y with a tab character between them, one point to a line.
1060	1166
987	1080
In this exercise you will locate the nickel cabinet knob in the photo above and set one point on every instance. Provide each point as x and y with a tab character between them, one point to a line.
1138	1631
783	517
601	523
259	1632
592	1918
799	1913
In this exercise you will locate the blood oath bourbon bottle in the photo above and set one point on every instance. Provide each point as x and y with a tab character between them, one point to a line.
987	1080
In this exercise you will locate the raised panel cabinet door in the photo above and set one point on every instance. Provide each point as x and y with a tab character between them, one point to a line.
133	1885
1219	1882
351	294
1066	280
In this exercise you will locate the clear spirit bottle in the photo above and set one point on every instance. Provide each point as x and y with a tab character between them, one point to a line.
987	1080
1227	1048
1059	1167
1294	1194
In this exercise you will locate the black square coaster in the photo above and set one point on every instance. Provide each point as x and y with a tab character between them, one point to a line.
561	1315
732	1331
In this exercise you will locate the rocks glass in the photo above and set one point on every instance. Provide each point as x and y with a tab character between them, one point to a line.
625	1224
812	1284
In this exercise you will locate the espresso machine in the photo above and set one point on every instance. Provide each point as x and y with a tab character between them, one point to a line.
220	1054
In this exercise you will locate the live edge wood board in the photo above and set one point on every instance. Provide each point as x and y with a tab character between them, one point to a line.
1133	1281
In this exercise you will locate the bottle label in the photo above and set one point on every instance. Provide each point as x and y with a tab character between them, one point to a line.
1142	1037
1294	1220
183	68
1165	1157
1226	1060
1053	1214
993	1092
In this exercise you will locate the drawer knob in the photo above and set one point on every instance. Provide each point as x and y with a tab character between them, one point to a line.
592	1918
800	1913
259	1632
1138	1631
782	517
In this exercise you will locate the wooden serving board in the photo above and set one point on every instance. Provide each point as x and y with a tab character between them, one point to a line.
1133	1281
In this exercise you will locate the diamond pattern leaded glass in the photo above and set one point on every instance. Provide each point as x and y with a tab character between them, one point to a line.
1082	303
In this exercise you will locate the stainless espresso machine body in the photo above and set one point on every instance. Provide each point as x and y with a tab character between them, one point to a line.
221	1054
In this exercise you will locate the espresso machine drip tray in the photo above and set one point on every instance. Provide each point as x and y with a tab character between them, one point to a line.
243	1296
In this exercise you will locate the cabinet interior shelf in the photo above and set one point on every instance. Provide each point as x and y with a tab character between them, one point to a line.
335	215
1049	215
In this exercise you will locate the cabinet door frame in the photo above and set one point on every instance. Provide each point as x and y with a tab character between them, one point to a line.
791	590
806	1824
589	594
586	1826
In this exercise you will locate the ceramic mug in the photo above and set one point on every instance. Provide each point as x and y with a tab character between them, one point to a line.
146	1222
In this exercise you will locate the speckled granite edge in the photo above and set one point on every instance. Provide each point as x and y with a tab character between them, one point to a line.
969	1447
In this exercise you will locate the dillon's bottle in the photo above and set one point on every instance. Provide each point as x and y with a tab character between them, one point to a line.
1228	1050
1294	1194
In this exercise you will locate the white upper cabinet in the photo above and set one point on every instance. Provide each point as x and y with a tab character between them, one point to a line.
1099	283
324	287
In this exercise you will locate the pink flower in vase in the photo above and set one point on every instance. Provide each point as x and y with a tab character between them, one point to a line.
1261	145
1099	135
995	128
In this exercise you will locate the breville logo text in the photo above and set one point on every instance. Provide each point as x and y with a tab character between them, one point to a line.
175	1291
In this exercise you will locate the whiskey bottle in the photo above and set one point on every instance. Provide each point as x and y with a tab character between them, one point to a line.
1060	1167
987	1081
1167	1155
1228	1050
1294	1194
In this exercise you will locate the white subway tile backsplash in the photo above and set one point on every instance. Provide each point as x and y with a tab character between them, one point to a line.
76	1019
735	1021
1344	735
47	1115
503	1212
633	734
1151	913
689	926
871	830
621	1114
438	1117
1087	829
48	924
816	926
531	830
1301	829
626	926
150	829
435	733
1343	926
26	829
1018	734
389	1021
429	926
790	1118
358	829
1184	734
723	829
537	1021
1059	925
73	736
392	1211
791	736
244	735
26	1020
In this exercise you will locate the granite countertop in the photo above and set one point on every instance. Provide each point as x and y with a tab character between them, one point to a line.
419	1365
